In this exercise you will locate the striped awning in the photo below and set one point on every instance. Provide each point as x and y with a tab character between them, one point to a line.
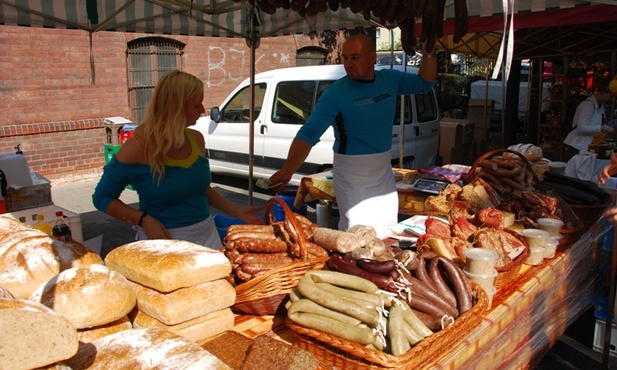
215	17
195	18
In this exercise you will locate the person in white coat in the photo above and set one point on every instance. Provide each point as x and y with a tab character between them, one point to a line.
589	118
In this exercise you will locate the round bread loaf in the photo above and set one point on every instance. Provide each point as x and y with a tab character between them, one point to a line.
75	254
27	260
148	348
33	335
87	297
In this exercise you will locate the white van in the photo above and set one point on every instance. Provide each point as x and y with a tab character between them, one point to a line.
284	98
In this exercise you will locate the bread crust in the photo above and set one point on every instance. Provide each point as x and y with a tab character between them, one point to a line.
55	338
88	297
167	265
186	303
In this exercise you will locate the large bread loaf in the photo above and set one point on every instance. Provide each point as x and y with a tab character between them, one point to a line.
198	329
167	265
149	348
33	335
88	297
186	303
27	260
29	257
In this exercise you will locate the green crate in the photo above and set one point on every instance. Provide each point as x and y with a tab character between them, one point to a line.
110	151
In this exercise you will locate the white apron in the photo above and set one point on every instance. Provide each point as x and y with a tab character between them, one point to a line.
202	233
366	192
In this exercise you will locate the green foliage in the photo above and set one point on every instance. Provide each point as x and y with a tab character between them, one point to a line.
453	92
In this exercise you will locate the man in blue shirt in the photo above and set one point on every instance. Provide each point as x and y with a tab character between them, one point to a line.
361	108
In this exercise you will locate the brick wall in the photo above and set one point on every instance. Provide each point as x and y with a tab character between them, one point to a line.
53	100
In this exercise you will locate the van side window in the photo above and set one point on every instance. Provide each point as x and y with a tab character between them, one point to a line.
294	100
238	108
426	106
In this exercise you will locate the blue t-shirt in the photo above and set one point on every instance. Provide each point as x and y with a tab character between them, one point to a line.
361	112
179	200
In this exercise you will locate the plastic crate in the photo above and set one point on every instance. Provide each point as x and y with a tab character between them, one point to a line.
598	338
36	195
110	151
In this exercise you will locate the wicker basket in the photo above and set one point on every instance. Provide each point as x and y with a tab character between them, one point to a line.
339	353
266	294
507	273
471	175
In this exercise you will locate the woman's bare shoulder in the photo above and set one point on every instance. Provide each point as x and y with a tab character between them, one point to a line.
131	152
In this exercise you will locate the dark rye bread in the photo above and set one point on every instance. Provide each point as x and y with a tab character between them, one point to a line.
267	353
230	347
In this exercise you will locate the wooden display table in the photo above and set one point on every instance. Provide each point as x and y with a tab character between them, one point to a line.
311	188
528	314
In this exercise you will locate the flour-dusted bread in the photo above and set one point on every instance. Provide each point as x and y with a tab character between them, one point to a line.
29	257
88	297
75	254
271	354
33	335
9	224
94	333
4	293
198	329
27	260
186	303
167	265
145	348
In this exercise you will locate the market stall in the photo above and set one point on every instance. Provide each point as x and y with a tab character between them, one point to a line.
526	319
514	327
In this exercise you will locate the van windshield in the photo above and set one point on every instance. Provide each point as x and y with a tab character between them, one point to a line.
238	107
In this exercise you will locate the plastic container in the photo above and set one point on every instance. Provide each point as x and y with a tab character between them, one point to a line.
223	222
16	170
491	294
486	281
550	248
480	261
535	237
536	255
61	230
40	224
550	225
557	167
289	197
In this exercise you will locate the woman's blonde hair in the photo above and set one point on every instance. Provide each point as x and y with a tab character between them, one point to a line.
162	129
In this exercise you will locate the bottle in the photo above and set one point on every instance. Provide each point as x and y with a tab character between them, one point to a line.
61	230
42	225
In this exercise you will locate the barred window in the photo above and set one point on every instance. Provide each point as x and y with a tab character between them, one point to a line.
148	59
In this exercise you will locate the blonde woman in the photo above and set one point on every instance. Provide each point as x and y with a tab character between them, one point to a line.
164	161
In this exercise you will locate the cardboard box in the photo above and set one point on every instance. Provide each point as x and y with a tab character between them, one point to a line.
456	132
455	155
479	112
480	133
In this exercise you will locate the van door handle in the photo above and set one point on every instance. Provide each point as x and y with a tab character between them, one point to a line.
417	130
262	129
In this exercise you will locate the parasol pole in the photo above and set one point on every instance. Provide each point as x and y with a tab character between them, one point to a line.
253	42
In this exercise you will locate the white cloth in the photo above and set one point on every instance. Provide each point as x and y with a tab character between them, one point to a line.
582	166
366	191
202	233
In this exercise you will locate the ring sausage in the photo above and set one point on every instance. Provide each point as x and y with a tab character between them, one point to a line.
337	263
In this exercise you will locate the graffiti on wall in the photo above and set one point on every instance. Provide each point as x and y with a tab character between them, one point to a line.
218	59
